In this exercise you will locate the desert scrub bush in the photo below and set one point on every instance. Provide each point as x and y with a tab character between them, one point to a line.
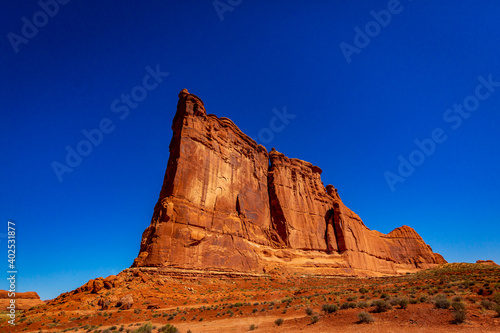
168	329
393	301
487	304
496	298
329	308
314	319
348	305
309	311
441	302
457	299
363	290
352	298
471	299
458	306
403	303
253	327
279	321
363	305
381	305
146	328
459	316
365	317
497	310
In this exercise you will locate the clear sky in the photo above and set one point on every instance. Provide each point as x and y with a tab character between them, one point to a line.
362	81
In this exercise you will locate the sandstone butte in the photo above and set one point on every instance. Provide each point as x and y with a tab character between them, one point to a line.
24	301
227	205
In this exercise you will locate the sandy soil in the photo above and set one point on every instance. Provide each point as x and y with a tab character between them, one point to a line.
208	304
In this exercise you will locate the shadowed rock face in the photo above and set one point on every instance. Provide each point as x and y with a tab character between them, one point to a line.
226	204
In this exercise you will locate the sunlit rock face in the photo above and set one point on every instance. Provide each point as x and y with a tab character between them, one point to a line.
227	204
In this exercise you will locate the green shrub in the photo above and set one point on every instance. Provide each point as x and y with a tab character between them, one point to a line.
459	316
348	305
253	327
363	305
365	317
329	308
146	328
393	301
487	304
279	321
381	305
168	329
314	319
441	302
497	309
309	311
403	303
363	290
496	298
458	306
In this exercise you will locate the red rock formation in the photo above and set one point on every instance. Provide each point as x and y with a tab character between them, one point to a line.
228	205
23	301
487	262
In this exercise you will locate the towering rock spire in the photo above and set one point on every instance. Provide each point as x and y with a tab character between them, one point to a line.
226	204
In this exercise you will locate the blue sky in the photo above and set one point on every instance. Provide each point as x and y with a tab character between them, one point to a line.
361	90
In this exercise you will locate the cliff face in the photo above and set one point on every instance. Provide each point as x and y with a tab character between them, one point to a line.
228	205
24	301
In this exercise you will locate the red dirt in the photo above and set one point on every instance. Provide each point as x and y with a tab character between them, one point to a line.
227	304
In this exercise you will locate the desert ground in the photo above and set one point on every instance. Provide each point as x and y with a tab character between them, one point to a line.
449	298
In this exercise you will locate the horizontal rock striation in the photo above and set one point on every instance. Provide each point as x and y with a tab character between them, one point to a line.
23	301
227	204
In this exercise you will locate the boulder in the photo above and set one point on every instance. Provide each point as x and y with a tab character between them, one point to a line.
126	302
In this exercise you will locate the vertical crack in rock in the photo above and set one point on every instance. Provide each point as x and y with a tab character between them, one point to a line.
338	228
279	232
